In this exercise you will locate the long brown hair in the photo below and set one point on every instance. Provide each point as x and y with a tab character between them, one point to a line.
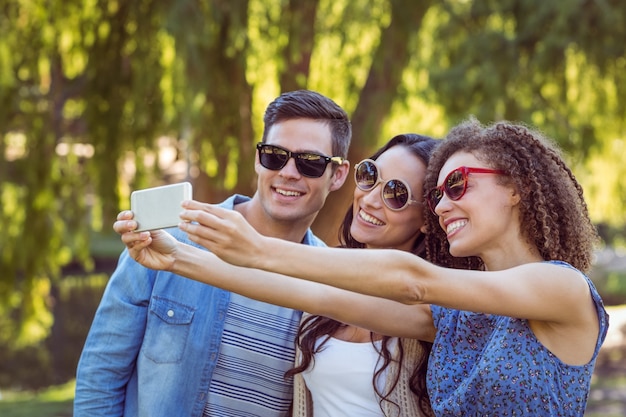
315	327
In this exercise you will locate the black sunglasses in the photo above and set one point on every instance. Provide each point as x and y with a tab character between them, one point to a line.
455	185
309	164
395	193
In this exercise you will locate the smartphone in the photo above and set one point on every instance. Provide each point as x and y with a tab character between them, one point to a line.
159	207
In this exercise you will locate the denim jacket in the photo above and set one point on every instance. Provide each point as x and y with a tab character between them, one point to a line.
154	342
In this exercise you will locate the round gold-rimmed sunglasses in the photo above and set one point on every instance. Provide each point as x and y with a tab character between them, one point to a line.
395	193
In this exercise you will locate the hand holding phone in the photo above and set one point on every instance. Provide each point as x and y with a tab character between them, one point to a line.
159	207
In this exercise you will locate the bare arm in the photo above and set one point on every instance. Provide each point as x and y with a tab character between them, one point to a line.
536	291
555	300
159	250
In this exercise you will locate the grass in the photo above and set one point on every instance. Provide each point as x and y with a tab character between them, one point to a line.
607	397
53	402
606	400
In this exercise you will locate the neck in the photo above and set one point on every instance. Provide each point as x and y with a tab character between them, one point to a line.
507	258
349	333
290	230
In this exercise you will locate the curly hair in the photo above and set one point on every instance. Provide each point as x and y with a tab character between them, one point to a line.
553	213
316	327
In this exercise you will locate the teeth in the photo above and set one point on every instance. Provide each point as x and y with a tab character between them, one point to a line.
370	219
288	193
455	225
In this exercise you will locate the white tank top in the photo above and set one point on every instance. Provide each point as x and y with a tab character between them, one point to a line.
340	380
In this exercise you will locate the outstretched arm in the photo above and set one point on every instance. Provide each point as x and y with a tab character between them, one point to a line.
159	250
535	291
555	300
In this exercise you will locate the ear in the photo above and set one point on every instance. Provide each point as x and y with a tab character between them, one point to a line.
257	163
423	229
514	196
340	175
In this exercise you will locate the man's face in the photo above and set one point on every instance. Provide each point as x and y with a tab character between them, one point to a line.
286	195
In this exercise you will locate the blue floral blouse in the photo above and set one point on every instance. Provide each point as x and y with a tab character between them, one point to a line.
488	365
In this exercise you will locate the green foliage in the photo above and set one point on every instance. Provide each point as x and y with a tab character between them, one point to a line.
611	284
556	65
95	93
74	101
533	61
32	366
53	402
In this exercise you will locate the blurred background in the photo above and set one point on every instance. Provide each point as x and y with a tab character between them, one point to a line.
101	97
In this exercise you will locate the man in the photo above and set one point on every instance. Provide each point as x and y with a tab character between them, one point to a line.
163	345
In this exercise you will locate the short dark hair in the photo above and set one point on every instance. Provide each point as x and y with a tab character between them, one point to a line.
307	104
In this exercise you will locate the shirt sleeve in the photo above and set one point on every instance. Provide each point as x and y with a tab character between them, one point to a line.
108	358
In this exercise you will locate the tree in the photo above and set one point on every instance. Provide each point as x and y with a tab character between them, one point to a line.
376	97
74	98
92	90
556	65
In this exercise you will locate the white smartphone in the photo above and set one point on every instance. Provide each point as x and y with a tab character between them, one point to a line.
159	207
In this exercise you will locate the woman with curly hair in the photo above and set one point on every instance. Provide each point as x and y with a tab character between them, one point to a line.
522	337
516	324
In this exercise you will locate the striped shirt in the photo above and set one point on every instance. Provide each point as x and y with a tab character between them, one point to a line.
257	348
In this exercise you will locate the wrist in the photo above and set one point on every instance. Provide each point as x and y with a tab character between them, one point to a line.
179	257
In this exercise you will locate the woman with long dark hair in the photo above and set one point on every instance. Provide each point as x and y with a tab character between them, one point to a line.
334	357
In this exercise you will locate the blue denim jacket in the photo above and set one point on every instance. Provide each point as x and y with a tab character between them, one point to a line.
154	342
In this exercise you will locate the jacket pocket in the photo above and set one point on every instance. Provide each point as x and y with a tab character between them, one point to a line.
167	330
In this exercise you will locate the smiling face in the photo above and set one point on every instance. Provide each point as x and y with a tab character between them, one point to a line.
285	194
485	220
377	226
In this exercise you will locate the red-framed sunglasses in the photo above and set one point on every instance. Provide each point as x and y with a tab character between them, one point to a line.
455	185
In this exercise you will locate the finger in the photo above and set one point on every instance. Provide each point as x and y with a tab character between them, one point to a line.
200	216
132	238
197	239
192	228
198	234
135	250
124	226
157	234
125	215
135	247
212	209
194	205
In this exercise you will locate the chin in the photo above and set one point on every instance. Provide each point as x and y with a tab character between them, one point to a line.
363	238
458	253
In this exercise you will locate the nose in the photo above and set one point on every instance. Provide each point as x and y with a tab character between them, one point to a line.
290	170
372	198
443	205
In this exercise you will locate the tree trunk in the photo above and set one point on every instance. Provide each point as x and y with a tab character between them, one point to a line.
299	23
385	76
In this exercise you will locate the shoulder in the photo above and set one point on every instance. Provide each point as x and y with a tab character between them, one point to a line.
312	240
559	273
